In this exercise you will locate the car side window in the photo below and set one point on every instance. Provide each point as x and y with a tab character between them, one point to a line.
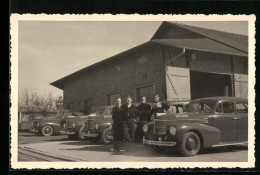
241	107
228	107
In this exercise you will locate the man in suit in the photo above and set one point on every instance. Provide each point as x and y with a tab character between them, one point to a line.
117	125
145	112
130	118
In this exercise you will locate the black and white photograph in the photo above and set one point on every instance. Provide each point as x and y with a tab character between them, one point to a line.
132	91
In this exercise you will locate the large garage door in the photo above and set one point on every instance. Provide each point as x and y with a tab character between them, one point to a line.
209	84
178	83
241	85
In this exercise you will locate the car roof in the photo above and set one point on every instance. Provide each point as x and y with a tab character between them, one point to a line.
222	98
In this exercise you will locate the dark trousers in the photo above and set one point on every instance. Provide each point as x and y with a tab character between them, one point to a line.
129	128
139	131
117	136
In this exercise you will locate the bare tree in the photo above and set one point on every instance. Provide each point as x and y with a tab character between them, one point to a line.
33	102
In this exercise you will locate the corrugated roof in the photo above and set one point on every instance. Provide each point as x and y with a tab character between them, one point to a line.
234	40
202	44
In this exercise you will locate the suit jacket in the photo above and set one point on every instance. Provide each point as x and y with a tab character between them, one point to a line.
117	115
129	113
145	112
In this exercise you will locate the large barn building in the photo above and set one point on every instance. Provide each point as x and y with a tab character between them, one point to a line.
179	62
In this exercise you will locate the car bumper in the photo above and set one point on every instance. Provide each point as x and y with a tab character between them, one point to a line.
34	130
158	143
109	137
70	131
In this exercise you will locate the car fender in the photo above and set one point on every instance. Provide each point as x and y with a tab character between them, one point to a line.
103	126
208	134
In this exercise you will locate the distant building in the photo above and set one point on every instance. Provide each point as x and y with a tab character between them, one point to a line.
179	62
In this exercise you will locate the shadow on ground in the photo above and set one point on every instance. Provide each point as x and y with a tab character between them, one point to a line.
147	151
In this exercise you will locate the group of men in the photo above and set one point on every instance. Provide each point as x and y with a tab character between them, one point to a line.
128	119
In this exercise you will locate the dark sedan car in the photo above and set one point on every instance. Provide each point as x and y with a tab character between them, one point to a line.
209	122
48	126
98	125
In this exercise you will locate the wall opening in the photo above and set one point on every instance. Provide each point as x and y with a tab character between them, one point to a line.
89	106
209	85
147	91
111	98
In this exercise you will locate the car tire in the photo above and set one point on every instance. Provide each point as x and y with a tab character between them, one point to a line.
80	133
190	144
47	130
103	136
72	136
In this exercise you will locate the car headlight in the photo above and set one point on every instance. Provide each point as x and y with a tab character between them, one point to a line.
172	130
110	126
38	124
74	125
145	128
96	126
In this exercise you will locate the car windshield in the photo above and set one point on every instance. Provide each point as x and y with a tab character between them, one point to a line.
100	111
201	106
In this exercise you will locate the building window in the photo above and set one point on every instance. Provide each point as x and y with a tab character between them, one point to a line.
147	91
70	106
111	98
89	106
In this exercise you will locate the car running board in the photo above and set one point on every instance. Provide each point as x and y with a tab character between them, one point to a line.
229	144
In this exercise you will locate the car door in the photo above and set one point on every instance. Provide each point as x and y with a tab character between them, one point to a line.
224	120
242	120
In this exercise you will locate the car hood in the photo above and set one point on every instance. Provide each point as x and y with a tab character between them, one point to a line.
100	117
183	117
76	118
47	119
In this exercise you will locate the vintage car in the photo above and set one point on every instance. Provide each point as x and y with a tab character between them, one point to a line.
98	126
208	122
48	126
75	127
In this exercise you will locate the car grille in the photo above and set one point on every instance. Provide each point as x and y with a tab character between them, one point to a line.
69	124
90	124
160	127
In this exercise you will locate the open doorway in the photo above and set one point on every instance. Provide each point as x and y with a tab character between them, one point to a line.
209	84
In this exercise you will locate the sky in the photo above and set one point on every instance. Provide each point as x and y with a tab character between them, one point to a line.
50	50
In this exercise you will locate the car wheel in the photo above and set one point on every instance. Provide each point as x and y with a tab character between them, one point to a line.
47	130
94	139
190	144
80	133
72	136
104	139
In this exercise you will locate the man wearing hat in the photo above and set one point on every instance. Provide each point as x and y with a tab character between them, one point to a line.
130	118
